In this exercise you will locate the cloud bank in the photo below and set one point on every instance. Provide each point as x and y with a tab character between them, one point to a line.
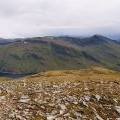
25	18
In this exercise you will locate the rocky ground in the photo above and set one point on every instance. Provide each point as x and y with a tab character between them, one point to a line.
66	96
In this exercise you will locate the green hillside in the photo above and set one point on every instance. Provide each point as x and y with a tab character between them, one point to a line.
55	53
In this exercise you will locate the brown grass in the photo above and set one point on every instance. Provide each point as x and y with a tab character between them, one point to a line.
71	75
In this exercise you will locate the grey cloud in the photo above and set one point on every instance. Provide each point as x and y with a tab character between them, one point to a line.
23	18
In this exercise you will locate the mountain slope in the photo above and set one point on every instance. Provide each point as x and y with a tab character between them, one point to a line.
55	53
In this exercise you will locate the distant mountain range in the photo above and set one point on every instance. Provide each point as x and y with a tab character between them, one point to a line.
37	54
5	41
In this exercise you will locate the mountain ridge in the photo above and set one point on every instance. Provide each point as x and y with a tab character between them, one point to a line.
32	55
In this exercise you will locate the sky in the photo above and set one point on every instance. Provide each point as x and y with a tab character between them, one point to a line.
29	18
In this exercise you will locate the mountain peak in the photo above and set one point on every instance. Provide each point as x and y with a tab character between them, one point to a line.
100	37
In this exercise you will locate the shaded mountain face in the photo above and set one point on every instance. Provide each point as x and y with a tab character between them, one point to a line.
5	41
54	53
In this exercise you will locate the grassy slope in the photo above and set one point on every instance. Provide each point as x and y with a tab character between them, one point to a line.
4	79
95	73
44	54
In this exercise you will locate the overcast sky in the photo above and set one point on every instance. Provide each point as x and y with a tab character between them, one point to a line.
26	18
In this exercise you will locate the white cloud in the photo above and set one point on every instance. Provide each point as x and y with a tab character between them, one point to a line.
23	18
